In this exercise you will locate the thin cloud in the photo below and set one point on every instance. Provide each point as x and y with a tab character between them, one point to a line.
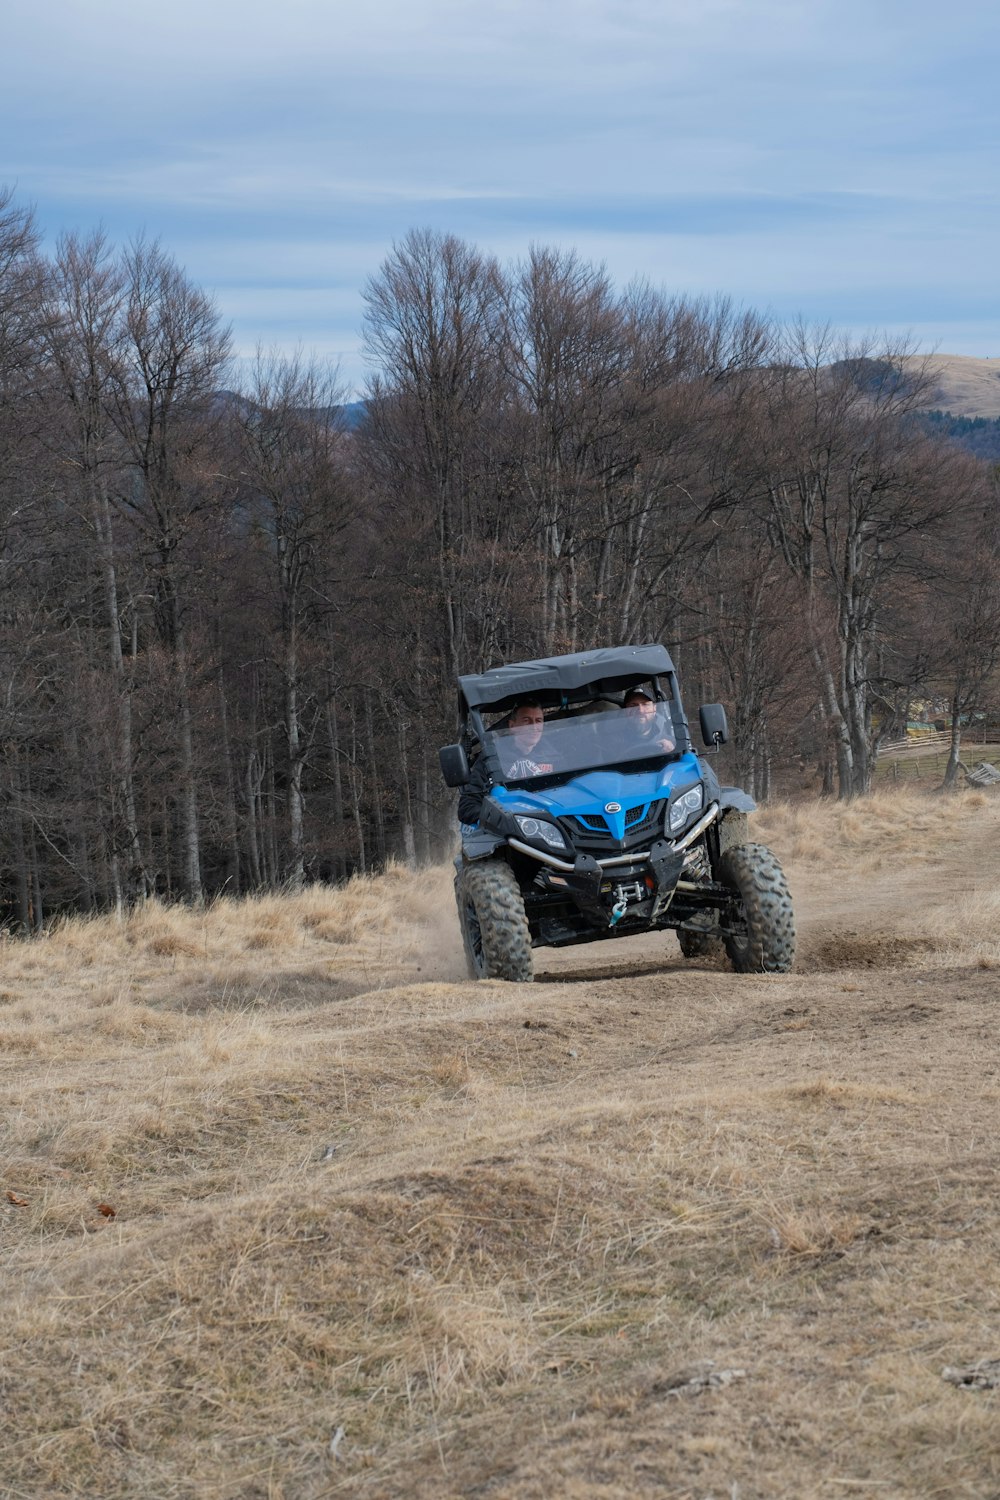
828	157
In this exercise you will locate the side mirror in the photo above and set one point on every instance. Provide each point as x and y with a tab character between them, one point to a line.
454	765
714	729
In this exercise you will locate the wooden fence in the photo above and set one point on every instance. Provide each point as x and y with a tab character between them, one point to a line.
917	744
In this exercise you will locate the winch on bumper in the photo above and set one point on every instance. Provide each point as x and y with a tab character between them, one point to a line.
588	899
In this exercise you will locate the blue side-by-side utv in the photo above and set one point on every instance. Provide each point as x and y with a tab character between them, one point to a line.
599	819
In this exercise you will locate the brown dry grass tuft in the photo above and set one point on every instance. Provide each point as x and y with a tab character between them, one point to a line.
872	833
274	1170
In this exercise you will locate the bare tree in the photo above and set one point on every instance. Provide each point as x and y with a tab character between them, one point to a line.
21	285
762	664
855	496
288	438
433	324
84	332
961	621
567	352
166	373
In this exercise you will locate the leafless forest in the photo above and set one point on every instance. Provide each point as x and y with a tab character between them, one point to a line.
232	619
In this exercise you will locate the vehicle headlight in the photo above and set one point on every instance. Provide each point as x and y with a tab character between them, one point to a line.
541	832
684	806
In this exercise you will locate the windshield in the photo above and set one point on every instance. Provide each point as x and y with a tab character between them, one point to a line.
584	742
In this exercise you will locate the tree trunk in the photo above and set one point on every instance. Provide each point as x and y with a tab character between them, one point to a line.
229	804
336	781
409	842
37	912
20	858
296	854
190	844
271	823
355	780
252	782
836	726
137	883
955	744
376	784
424	826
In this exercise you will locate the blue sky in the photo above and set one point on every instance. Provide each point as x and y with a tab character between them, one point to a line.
834	159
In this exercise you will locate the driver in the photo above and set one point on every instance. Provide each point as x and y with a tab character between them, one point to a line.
644	722
526	723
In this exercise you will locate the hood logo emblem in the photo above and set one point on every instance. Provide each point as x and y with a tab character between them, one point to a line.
612	807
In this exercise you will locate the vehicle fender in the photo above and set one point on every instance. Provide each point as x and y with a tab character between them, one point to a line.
732	799
479	843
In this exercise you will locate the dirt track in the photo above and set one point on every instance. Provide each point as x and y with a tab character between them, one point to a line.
827	1136
844	917
850	1109
493	1231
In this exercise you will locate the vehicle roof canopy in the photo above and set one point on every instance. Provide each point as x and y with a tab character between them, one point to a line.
608	670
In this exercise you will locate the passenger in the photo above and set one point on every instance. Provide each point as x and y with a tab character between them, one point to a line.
645	725
526	722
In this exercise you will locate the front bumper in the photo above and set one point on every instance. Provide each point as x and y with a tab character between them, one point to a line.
588	898
636	857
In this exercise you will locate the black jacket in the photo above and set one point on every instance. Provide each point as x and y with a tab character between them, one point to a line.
475	789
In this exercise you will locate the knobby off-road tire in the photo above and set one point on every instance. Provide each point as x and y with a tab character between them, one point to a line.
761	939
494	926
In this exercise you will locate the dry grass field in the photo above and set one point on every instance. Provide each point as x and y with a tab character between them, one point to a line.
291	1209
966	386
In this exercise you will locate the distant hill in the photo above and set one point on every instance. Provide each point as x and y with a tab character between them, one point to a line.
353	413
350	415
966	386
965	399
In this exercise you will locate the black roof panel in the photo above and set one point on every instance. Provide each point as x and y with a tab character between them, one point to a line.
610	669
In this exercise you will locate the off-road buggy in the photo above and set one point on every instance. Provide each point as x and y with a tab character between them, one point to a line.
609	827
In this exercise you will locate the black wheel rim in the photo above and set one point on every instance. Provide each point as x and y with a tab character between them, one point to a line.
739	928
474	939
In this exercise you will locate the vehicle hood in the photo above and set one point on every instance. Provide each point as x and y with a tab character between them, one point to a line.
590	793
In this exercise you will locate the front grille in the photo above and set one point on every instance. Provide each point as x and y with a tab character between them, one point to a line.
589	833
648	825
586	840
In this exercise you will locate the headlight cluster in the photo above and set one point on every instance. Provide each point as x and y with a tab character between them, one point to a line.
684	806
541	832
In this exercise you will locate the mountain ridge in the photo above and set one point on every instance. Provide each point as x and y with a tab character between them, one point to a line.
967	386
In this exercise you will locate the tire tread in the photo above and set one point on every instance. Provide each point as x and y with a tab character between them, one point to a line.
754	871
491	886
